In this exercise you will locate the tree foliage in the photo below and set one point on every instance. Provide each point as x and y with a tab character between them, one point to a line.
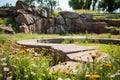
109	5
43	3
82	4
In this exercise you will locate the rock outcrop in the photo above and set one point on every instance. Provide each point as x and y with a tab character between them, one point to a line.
31	19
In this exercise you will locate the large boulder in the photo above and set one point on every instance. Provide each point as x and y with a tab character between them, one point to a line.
59	20
38	25
24	18
6	29
97	27
43	13
49	11
32	28
21	5
36	11
4	13
67	14
87	17
24	28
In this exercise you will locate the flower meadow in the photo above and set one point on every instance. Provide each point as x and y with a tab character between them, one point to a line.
23	63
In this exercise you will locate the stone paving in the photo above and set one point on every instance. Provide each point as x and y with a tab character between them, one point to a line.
71	55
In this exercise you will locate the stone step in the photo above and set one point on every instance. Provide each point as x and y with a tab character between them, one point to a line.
86	56
71	48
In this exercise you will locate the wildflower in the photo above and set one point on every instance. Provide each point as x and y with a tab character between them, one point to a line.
36	49
34	65
93	76
4	64
67	79
59	79
22	52
64	71
33	73
57	70
37	55
107	65
27	57
77	65
64	63
14	66
98	54
17	58
43	48
9	78
1	75
5	69
90	53
3	59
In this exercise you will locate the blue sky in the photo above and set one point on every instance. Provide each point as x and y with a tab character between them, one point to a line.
63	3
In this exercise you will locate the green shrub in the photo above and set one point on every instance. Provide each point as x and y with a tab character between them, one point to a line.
7	21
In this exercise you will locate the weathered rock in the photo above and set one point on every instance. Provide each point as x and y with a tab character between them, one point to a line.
36	11
61	29
21	5
59	20
7	29
44	25
4	13
110	22
24	28
97	27
50	30
43	13
87	17
49	11
24	18
20	11
67	14
51	22
113	31
38	25
32	28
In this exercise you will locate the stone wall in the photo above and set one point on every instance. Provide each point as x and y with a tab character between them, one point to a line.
31	20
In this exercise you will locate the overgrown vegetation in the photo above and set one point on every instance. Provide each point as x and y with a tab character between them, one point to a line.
6	21
20	62
107	16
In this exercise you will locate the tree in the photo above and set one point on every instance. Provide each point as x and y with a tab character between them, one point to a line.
48	3
109	5
31	2
82	4
76	4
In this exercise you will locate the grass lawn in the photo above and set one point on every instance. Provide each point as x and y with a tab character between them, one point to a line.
21	36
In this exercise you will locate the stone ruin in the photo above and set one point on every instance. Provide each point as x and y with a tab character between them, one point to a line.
31	20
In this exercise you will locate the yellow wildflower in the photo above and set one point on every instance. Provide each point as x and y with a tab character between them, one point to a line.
94	76
90	53
64	71
77	65
22	52
43	48
57	70
107	65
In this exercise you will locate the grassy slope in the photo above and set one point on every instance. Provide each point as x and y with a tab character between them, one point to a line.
22	36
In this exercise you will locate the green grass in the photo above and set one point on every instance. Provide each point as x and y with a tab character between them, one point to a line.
22	36
83	11
24	64
93	35
107	16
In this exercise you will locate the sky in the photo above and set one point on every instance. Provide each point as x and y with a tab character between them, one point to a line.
63	4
